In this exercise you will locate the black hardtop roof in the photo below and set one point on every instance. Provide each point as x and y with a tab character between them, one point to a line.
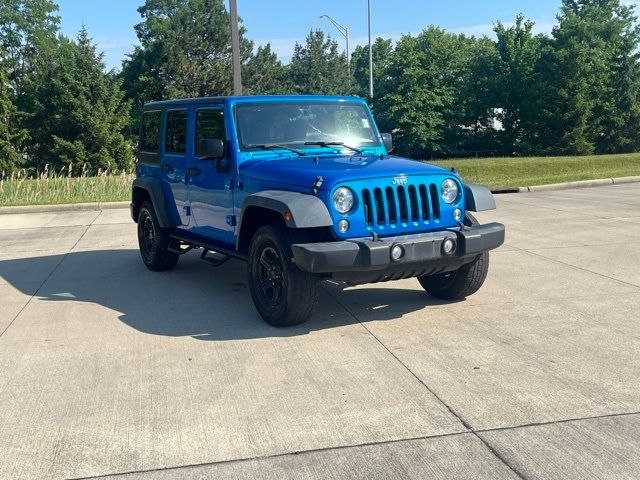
178	102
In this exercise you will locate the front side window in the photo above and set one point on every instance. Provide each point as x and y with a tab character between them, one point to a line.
294	124
150	134
176	132
209	124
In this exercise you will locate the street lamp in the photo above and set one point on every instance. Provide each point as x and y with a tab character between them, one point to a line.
235	48
345	33
370	52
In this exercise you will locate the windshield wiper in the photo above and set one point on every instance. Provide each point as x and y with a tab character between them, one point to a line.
334	144
274	146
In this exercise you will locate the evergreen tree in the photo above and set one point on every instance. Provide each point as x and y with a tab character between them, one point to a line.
11	136
77	112
185	51
591	72
264	74
317	67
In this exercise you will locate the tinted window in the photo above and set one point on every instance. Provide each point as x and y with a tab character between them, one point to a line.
209	124
176	135
150	135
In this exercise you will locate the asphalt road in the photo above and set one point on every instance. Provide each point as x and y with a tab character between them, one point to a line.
107	368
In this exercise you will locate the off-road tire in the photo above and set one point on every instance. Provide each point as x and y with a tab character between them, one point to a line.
460	283
154	241
270	260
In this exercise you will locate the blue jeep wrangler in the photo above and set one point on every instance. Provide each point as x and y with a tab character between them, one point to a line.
303	188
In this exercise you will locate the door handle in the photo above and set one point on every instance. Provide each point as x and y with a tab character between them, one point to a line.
193	171
167	168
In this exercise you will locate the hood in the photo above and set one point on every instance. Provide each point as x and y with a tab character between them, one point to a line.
303	171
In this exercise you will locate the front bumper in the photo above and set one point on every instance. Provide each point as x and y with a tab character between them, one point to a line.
420	251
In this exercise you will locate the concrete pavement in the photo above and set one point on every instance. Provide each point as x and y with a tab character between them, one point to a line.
108	369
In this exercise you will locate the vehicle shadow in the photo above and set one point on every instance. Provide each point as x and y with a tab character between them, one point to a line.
195	299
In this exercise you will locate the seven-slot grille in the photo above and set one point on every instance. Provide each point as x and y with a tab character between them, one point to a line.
404	204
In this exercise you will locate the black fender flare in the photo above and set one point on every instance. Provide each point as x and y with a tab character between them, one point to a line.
306	211
154	188
478	198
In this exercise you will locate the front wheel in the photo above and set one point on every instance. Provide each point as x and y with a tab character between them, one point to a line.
283	294
460	283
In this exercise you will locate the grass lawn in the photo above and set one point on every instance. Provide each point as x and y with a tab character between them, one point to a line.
492	172
524	172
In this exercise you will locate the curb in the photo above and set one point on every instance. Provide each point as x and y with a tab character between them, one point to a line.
96	206
67	207
579	184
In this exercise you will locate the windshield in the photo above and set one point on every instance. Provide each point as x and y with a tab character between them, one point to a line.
294	124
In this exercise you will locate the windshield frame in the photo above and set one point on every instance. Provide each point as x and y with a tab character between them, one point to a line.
299	145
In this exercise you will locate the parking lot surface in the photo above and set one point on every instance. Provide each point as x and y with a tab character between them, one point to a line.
107	368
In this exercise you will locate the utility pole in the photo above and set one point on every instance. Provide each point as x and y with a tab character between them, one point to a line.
370	53
345	33
235	48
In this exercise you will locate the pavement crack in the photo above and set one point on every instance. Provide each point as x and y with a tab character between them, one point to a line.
360	445
451	410
533	252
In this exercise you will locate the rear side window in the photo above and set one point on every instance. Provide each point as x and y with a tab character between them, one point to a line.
150	134
209	124
176	133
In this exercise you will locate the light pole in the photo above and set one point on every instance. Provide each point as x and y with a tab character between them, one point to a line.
345	33
235	48
370	52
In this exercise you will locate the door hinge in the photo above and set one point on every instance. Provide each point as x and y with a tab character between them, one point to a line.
187	211
231	220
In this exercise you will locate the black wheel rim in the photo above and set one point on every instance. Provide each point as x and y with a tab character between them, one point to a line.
149	237
271	276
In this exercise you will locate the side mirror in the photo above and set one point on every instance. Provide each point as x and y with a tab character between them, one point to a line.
387	139
211	149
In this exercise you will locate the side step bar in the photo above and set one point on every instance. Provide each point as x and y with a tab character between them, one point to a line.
191	243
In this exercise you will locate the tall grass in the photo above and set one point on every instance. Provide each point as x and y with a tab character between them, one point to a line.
64	186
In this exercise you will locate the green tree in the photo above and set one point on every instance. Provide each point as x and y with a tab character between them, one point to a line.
421	105
27	28
77	112
476	100
185	51
317	67
382	51
263	73
519	53
589	72
11	135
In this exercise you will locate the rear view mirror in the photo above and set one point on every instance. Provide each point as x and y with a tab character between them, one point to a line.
388	141
211	149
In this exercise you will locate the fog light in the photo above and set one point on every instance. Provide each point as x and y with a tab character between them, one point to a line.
457	214
449	246
343	226
397	252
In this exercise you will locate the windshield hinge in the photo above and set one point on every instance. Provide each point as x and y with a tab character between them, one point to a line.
317	184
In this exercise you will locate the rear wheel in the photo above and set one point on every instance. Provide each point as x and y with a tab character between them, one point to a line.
283	294
460	283
154	241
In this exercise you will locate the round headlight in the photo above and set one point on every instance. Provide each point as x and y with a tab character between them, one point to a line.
450	190
343	199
